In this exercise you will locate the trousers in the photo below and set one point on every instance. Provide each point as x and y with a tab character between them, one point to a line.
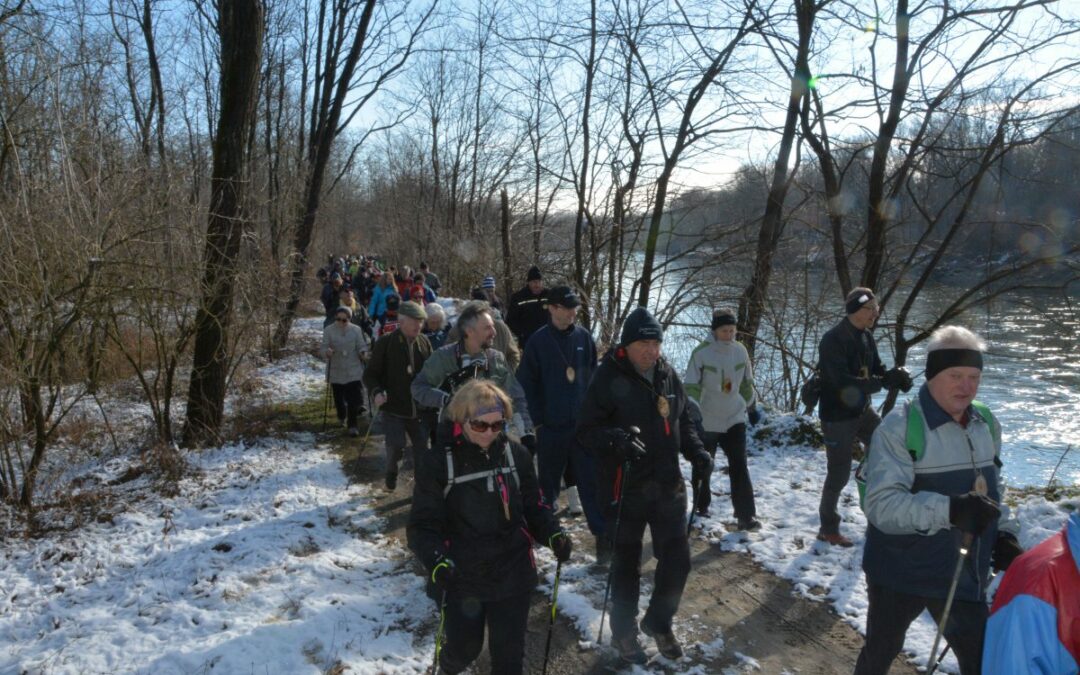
733	443
348	401
466	618
839	441
556	450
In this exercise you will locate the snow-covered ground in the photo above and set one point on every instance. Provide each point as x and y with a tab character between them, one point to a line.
267	561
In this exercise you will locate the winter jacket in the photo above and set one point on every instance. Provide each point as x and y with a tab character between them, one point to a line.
554	401
719	377
1034	625
850	371
618	398
437	338
485	525
504	342
527	314
432	281
450	359
911	547
330	299
393	364
348	345
377	306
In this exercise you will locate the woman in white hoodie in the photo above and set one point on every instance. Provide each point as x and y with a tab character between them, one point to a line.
719	378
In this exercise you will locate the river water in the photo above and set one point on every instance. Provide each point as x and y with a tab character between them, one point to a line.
1031	378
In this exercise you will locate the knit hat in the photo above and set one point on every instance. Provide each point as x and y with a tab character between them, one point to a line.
857	298
534	274
412	309
489	282
723	317
393	302
477	294
641	325
344	310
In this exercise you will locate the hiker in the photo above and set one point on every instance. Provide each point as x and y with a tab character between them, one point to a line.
526	313
472	357
504	337
851	371
359	314
331	297
430	278
475	512
435	328
555	370
720	379
395	360
1034	625
390	317
487	287
634	386
925	490
384	286
419	292
344	348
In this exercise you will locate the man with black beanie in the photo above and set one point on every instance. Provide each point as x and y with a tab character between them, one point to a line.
851	372
635	387
526	313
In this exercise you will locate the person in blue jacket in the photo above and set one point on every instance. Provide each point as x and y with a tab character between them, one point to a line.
383	288
555	370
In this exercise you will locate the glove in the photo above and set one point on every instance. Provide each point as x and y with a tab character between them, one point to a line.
702	469
459	377
753	415
442	575
561	545
1006	549
629	447
898	378
972	512
529	441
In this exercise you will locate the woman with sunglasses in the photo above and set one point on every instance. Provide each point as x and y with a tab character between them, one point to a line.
476	512
344	346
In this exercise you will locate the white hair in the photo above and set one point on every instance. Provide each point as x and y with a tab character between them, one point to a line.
955	337
435	310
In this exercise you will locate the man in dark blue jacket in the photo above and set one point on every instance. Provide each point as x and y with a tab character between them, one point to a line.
555	370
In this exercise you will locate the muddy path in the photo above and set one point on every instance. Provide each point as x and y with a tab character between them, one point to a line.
735	616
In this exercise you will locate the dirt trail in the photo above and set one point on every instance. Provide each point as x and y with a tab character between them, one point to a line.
727	595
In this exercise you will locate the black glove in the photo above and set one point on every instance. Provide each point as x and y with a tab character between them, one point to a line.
972	512
442	575
702	469
629	447
459	377
753	415
1006	549
898	378
561	545
529	441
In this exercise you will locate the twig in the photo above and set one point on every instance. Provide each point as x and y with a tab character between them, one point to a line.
1050	483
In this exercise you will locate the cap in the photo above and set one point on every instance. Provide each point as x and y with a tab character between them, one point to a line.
563	296
412	309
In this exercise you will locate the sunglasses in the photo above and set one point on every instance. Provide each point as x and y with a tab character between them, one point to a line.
480	426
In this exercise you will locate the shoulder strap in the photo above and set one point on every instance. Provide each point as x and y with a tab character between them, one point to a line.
995	428
510	463
915	436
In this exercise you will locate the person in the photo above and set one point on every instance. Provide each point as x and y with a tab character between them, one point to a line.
472	357
396	358
720	379
344	348
359	314
555	371
487	287
851	371
923	498
504	337
435	328
526	312
475	512
390	316
419	292
430	278
1034	625
640	479
384	287
331	297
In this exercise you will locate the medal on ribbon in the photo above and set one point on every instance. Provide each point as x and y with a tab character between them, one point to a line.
570	374
662	406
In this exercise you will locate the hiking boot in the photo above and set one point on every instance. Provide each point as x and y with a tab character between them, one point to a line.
629	649
835	540
750	525
573	501
354	432
603	550
702	511
391	481
665	642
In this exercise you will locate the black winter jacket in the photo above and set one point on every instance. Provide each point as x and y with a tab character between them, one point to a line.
850	371
492	554
391	369
618	398
526	314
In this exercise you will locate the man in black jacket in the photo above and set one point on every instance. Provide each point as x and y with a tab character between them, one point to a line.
633	386
526	313
851	372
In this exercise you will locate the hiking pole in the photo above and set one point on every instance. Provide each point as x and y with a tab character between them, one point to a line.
551	619
695	491
439	634
935	659
634	431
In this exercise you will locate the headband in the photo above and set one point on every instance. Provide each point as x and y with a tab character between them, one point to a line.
497	407
940	359
856	303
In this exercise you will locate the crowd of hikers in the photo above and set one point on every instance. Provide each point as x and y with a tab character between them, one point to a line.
513	404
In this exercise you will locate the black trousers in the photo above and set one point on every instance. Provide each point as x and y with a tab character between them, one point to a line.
839	443
505	620
348	401
733	443
664	511
890	615
395	429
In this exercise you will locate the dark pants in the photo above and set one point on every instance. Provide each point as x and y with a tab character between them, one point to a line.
666	517
505	620
348	401
839	440
891	613
395	428
558	449
733	443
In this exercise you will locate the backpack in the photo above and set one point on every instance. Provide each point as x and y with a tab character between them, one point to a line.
915	440
490	474
810	392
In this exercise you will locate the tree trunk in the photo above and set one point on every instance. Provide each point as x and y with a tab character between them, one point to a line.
241	28
582	185
508	267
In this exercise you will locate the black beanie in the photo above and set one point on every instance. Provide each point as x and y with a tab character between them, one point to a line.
722	318
534	274
641	325
393	302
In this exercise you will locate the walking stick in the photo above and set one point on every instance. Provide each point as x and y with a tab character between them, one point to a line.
695	490
935	658
551	619
439	634
614	538
326	395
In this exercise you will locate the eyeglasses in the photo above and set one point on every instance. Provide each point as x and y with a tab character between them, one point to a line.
480	426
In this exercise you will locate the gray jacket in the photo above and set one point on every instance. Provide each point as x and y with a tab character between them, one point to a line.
348	345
